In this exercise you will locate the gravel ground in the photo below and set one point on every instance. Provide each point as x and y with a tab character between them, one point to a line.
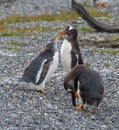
27	110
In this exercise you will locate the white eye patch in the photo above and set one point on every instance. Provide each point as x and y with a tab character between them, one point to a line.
70	28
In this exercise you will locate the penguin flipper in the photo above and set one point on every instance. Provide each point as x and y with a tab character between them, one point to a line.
43	74
74	59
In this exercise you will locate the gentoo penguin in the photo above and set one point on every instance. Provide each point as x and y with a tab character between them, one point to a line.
90	84
70	52
42	67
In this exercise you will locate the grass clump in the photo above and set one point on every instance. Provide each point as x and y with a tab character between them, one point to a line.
85	29
62	16
17	31
10	47
86	4
113	38
107	51
14	45
93	12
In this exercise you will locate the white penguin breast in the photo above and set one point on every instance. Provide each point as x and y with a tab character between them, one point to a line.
65	55
53	66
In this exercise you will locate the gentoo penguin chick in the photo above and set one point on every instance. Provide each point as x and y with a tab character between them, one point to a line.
42	67
90	84
70	52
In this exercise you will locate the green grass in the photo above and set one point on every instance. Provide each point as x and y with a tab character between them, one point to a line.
113	38
93	12
5	30
10	48
17	31
14	45
85	29
106	51
86	4
63	16
87	64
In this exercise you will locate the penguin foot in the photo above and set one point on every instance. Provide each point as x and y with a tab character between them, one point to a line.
79	107
43	91
76	95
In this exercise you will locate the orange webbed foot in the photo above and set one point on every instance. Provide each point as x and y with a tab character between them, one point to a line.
43	91
79	107
76	95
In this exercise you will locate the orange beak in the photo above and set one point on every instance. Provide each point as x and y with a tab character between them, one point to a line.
76	94
60	34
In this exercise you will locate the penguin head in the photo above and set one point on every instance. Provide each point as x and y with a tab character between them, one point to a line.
71	32
69	86
51	44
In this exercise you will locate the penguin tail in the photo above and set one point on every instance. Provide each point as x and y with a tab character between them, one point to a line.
29	86
22	85
94	109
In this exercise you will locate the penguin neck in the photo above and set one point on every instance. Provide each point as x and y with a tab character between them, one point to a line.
56	40
72	41
71	38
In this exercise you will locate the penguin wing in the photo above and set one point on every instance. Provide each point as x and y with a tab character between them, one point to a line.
74	58
42	72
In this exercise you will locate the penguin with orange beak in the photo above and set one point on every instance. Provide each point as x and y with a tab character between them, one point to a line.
70	52
89	83
41	68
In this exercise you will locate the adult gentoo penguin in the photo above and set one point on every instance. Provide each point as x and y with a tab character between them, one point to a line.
70	52
90	84
42	67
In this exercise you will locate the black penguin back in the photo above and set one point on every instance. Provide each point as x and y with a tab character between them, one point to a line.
91	86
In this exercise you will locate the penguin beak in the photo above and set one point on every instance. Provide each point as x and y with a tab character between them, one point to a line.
60	34
76	94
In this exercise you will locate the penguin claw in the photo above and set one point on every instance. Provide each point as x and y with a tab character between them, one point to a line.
79	107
